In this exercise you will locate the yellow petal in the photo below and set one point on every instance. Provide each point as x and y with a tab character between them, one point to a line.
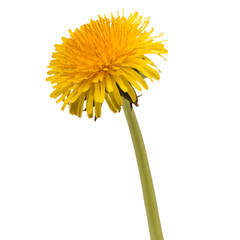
114	101
98	107
71	95
63	96
73	107
152	72
137	76
120	83
116	94
63	106
90	102
97	93
85	86
109	85
102	90
110	104
131	80
80	106
130	91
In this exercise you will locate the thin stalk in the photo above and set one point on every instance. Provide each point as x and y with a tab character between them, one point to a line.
145	174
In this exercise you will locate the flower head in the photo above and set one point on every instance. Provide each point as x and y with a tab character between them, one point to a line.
104	60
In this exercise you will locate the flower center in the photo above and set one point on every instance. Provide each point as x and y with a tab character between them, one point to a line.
106	67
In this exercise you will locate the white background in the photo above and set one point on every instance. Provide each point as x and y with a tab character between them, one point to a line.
63	178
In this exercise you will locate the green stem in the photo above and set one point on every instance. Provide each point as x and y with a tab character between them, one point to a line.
145	174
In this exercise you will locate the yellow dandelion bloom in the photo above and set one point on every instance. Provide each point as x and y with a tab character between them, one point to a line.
104	60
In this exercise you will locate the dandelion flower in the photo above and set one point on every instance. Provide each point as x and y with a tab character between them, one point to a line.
104	60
